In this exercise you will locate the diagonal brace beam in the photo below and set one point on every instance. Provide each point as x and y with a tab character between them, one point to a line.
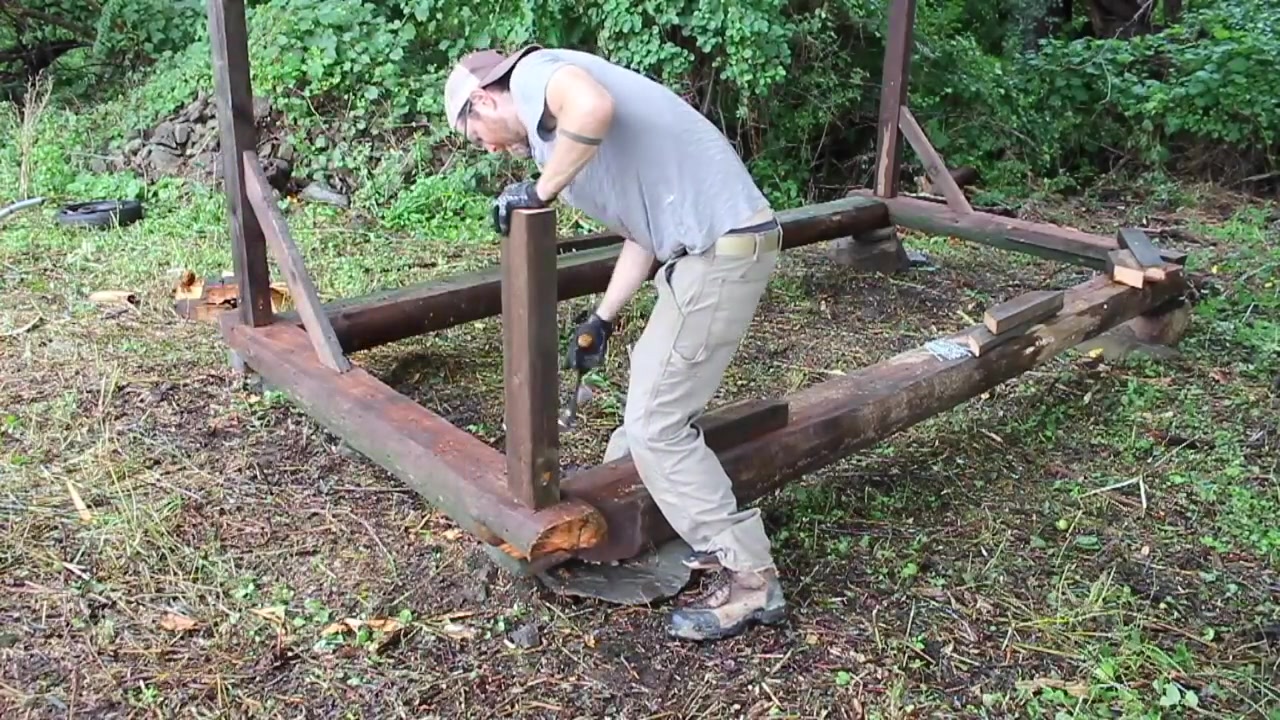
289	257
933	164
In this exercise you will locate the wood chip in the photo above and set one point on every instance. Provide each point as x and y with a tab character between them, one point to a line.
86	517
113	297
175	622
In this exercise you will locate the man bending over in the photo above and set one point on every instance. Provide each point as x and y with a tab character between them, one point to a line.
630	153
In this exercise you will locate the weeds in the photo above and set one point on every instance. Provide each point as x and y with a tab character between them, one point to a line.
34	102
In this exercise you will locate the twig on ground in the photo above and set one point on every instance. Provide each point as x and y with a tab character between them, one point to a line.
1108	488
18	331
390	558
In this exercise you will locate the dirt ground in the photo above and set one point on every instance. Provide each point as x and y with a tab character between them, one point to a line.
1094	539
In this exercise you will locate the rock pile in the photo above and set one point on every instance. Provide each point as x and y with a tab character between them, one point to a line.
187	145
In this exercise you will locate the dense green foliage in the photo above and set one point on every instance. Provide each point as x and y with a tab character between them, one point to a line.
795	84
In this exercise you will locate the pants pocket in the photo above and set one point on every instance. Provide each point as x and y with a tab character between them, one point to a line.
695	293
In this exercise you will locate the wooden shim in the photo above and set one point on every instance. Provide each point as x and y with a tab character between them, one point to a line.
449	467
1124	268
529	334
933	164
896	74
1025	308
294	268
1137	242
1052	242
391	315
229	39
832	419
981	340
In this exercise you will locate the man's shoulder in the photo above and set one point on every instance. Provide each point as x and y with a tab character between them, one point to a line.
562	54
547	60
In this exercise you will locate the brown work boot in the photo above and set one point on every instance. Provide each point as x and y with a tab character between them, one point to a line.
739	600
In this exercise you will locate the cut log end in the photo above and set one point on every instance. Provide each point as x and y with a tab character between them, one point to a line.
578	532
1167	325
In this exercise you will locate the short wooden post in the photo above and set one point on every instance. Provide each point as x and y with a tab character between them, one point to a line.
530	357
229	37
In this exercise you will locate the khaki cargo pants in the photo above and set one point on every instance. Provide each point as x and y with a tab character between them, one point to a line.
705	304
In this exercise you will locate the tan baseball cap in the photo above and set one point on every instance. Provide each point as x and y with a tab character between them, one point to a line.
476	70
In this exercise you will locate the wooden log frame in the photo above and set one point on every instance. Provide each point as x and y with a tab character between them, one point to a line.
515	501
934	166
893	97
832	419
897	121
229	40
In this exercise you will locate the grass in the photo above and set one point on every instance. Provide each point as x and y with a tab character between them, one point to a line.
1094	539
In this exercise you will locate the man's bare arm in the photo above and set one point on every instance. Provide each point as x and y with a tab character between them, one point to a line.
583	111
629	273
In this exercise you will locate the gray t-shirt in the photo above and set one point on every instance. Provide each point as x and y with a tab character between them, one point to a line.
664	175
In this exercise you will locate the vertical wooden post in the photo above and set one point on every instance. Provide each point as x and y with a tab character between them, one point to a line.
229	37
893	95
530	357
882	250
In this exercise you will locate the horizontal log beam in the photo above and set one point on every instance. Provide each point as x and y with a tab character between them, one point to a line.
742	421
448	466
833	419
1051	242
380	318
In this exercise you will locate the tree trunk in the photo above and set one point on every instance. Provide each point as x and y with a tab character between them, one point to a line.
1120	18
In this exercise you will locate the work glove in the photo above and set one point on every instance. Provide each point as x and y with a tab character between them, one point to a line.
523	194
589	343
